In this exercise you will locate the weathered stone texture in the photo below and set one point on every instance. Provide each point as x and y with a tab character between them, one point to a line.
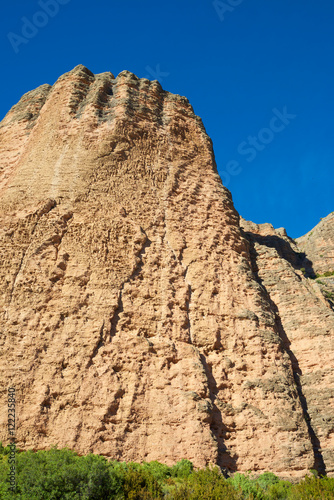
318	245
306	325
137	319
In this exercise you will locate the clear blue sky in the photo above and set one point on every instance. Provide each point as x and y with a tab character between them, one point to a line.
241	63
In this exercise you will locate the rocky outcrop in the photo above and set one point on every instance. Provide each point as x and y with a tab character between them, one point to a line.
317	251
138	319
306	326
318	246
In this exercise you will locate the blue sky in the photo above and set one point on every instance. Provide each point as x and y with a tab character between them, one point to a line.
243	64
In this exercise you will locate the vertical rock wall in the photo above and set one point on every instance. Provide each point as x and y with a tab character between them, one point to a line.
134	321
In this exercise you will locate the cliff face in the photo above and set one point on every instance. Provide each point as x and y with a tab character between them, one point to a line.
318	246
306	324
138	319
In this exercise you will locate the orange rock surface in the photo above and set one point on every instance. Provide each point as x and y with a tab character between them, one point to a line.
139	319
318	246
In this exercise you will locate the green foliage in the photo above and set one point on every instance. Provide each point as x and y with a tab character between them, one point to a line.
329	295
326	274
267	479
208	484
140	484
269	487
279	491
312	488
159	471
182	469
249	486
62	474
4	450
303	270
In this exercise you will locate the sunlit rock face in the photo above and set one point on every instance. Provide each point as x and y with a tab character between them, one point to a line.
318	245
139	319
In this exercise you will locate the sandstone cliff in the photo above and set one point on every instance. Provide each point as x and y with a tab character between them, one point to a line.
318	246
139	320
306	325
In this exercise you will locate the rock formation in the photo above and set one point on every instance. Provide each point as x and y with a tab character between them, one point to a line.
305	323
318	246
318	256
140	318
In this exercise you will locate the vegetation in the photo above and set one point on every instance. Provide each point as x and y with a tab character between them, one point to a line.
327	274
62	474
329	295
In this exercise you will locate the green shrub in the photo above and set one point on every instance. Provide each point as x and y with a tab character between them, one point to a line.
182	469
267	486
140	484
208	484
326	274
159	471
4	450
329	295
267	479
61	474
248	485
279	491
313	488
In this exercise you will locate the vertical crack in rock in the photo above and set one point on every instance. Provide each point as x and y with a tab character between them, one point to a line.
114	320
187	283
188	300
46	208
224	459
49	205
319	463
14	282
99	344
65	218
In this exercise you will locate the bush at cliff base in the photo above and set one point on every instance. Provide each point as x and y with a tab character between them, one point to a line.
59	474
62	474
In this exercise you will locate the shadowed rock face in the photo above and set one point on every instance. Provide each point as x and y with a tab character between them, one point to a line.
306	326
318	245
138	319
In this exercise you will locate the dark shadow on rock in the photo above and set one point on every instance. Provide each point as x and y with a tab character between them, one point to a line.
298	260
319	464
116	316
225	460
